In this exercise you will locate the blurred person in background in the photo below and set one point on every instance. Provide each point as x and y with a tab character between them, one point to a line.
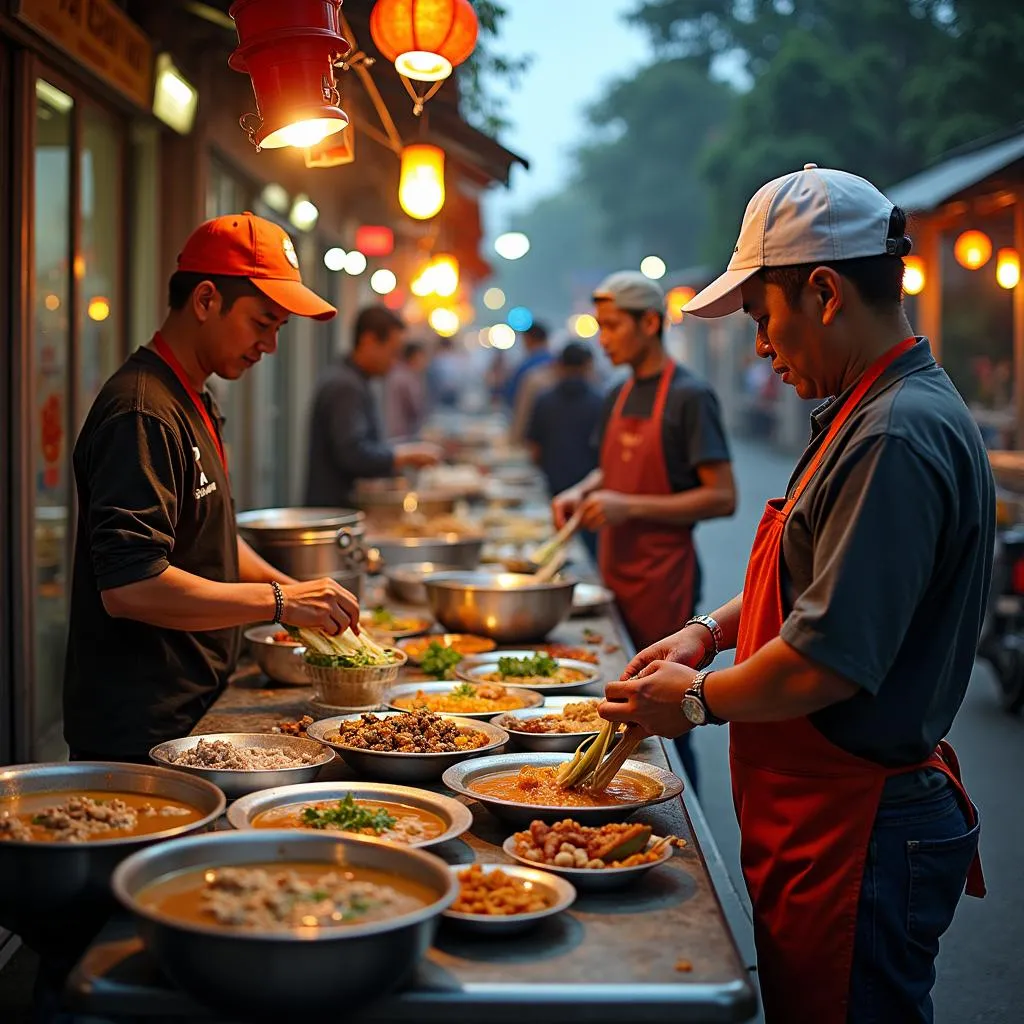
405	393
346	438
535	344
444	375
664	466
562	424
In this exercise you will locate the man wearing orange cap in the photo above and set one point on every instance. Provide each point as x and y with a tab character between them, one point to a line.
162	582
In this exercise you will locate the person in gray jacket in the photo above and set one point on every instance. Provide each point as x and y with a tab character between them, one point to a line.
346	438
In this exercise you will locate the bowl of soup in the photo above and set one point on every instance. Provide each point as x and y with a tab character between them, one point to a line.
402	815
272	924
65	827
522	787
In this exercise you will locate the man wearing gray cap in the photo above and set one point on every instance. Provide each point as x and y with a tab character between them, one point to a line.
857	626
664	466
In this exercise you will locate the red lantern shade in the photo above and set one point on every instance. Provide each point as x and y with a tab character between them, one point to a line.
375	240
289	50
424	38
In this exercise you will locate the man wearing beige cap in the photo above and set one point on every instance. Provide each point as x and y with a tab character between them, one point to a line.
663	467
162	582
857	626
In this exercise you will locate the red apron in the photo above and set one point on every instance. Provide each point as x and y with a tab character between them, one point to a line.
806	808
650	567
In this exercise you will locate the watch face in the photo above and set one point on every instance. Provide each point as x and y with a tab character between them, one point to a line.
694	710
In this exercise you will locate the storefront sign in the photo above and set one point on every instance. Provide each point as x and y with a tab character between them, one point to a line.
101	36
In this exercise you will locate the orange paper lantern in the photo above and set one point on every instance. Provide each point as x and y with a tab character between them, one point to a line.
973	249
424	38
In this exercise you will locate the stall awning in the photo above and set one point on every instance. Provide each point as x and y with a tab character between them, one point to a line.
929	189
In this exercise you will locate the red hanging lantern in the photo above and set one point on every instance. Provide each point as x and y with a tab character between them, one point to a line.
289	51
375	240
425	39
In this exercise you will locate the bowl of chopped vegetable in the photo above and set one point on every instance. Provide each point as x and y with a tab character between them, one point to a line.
348	671
535	669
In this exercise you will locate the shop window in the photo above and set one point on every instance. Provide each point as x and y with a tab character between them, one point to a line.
51	342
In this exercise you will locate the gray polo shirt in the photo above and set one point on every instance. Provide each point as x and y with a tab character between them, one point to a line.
887	558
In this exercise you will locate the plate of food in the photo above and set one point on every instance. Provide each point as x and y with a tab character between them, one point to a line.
385	624
534	669
562	723
399	814
591	856
243	762
519	788
407	746
504	899
469	700
465	644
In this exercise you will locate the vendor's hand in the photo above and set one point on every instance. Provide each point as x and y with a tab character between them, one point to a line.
320	604
416	454
604	508
688	646
652	700
564	505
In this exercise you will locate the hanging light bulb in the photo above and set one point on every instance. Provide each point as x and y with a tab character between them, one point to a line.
421	187
913	275
1008	268
444	275
973	249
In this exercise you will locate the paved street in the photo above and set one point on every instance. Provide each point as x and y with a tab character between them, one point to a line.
980	975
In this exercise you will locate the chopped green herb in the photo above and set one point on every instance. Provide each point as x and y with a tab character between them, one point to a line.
438	661
348	816
382	617
464	690
540	664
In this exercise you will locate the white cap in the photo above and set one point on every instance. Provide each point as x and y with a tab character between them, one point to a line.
632	291
815	215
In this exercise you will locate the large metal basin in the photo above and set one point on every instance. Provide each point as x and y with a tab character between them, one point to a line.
453	549
308	543
507	607
46	888
281	975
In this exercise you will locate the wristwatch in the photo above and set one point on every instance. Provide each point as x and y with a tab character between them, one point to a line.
695	707
717	636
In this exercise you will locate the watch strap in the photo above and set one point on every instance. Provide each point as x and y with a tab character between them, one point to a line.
696	690
717	636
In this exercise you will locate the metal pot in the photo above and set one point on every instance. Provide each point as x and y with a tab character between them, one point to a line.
283	975
308	543
405	580
388	501
453	549
46	887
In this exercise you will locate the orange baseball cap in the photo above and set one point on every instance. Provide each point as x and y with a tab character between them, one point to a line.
244	245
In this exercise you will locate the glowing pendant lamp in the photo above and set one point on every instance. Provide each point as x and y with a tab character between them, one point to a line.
421	186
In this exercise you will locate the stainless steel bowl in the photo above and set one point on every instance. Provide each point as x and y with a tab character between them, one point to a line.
590	598
455	549
543	742
507	607
532	697
398	767
276	660
559	892
595	879
472	669
406	580
237	783
460	778
46	888
457	816
282	975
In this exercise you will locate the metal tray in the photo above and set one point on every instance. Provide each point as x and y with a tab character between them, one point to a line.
457	815
460	777
400	767
531	697
593	879
236	783
471	669
560	892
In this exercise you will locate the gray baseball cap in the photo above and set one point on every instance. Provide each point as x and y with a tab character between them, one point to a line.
629	289
815	215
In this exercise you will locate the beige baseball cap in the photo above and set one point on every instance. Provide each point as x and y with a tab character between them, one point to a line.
632	291
816	215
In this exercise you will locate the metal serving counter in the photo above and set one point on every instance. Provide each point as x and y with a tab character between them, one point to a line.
657	951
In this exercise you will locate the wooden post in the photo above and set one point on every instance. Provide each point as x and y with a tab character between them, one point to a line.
930	300
1018	323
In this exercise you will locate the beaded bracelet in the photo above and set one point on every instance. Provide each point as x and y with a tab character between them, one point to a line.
278	601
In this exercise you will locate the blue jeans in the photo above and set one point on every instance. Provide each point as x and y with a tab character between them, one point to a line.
916	870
